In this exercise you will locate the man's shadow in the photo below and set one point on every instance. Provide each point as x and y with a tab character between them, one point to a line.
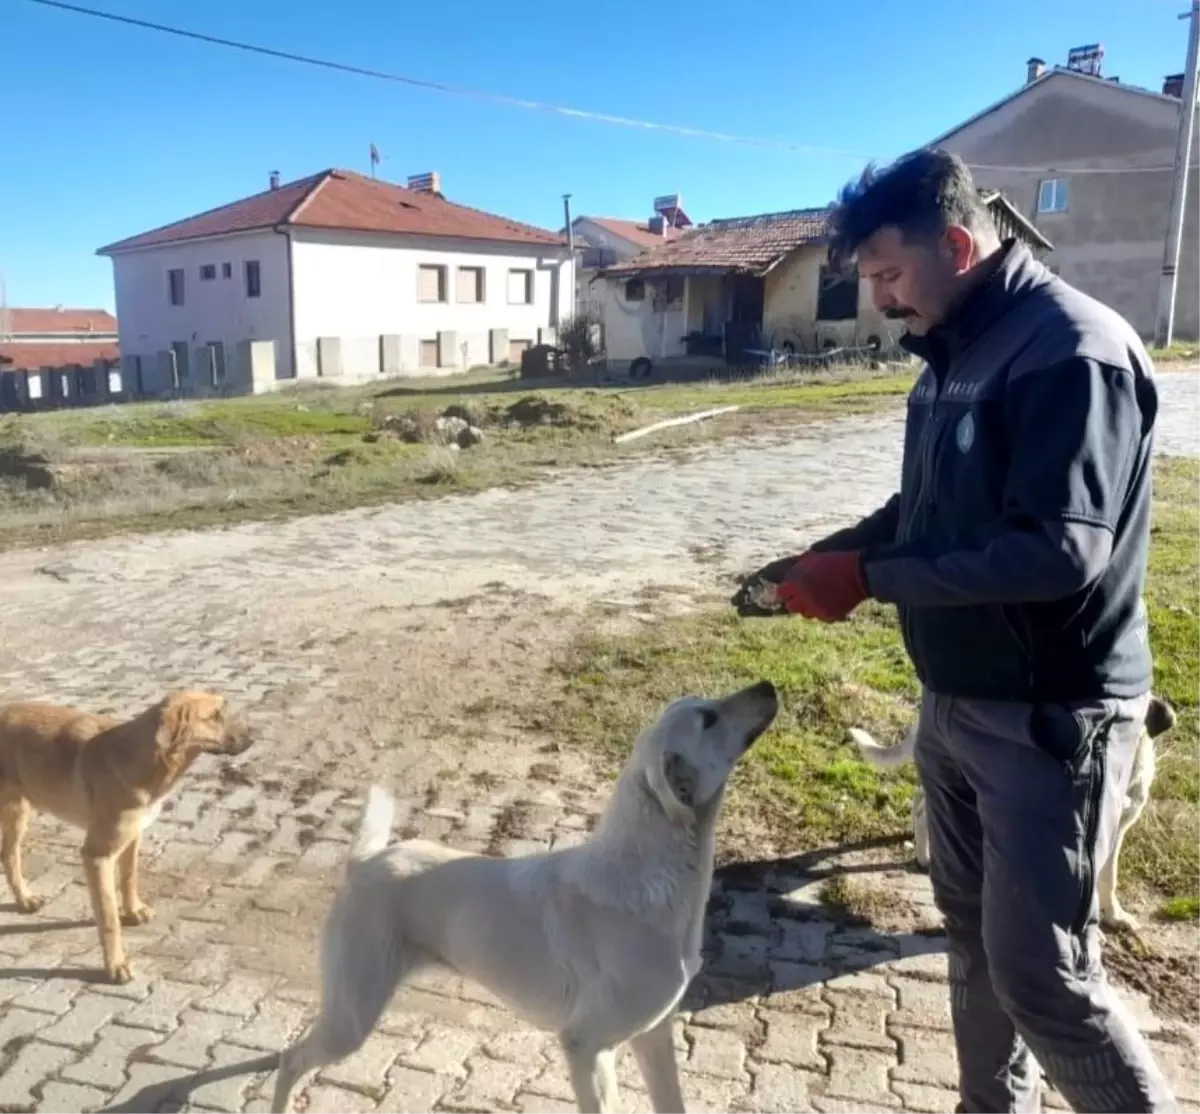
750	898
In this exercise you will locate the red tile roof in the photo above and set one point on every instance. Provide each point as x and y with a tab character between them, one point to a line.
343	200
635	232
752	245
30	356
749	245
57	320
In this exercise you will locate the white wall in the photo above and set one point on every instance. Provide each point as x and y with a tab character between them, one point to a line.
633	329
215	310
360	286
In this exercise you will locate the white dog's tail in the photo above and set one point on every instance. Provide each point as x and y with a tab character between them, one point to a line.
887	757
375	827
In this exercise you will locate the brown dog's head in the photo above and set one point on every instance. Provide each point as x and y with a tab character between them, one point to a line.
193	722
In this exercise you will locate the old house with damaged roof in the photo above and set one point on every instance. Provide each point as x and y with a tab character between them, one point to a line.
335	276
57	356
749	290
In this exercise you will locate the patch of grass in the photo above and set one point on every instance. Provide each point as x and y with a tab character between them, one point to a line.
1180	909
803	785
146	466
1179	352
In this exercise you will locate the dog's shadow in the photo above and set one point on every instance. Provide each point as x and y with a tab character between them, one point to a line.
756	891
173	1094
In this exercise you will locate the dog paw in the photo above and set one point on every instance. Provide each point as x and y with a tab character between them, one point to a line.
1117	920
119	973
30	904
143	914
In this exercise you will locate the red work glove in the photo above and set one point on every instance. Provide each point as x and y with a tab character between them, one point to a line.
825	586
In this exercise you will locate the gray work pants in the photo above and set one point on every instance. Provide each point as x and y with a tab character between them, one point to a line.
1023	804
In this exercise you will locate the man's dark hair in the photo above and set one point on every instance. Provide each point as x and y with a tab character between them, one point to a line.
921	194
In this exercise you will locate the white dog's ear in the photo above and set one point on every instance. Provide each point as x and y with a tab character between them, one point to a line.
682	778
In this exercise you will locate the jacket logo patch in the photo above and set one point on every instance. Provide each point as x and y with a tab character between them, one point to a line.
964	433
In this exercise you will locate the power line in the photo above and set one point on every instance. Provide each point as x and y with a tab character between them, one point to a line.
543	106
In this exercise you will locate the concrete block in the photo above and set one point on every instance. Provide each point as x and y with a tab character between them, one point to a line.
391	360
329	357
447	341
497	346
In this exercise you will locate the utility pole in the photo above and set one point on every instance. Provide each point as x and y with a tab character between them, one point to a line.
1168	283
571	253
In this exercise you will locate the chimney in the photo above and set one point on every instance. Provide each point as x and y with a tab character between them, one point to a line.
1173	85
1034	69
274	179
657	226
429	182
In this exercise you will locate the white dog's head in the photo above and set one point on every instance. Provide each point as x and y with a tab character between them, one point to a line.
688	755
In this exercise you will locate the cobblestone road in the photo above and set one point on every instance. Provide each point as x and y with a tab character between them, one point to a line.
320	628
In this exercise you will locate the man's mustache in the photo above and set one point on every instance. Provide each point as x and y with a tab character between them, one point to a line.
899	312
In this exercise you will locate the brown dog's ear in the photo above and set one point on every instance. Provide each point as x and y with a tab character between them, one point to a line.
184	714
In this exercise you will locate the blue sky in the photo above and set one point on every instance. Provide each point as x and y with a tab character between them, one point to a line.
110	130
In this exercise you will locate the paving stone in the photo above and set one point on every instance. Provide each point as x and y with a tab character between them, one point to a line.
718	1052
160	1011
923	1005
925	1060
18	1023
322	1098
31	1065
859	1020
1181	1065
52	996
489	1085
781	1087
927	1100
444	1051
799	982
232	1074
859	982
521	1046
366	1069
190	1044
414	1092
239	996
530	1102
104	1065
88	1014
803	941
277	1023
59	1097
792	1039
742	957
855	1073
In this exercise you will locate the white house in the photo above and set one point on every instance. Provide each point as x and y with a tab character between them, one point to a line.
604	241
335	276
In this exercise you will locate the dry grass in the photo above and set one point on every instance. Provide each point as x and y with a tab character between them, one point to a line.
803	787
85	473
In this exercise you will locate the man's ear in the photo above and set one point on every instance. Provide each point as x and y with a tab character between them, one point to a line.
681	778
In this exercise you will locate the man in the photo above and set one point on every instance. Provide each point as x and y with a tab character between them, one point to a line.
1015	552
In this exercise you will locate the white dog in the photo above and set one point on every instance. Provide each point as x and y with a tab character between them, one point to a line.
595	943
1160	718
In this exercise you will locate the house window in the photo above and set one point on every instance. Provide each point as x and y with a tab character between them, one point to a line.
253	279
1053	195
520	287
429	353
517	349
33	382
470	285
226	270
175	286
208	272
635	290
114	381
672	290
837	296
431	283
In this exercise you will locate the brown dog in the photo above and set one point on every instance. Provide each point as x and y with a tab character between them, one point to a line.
109	777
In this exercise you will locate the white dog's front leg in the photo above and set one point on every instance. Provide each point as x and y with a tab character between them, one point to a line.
593	1076
655	1053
